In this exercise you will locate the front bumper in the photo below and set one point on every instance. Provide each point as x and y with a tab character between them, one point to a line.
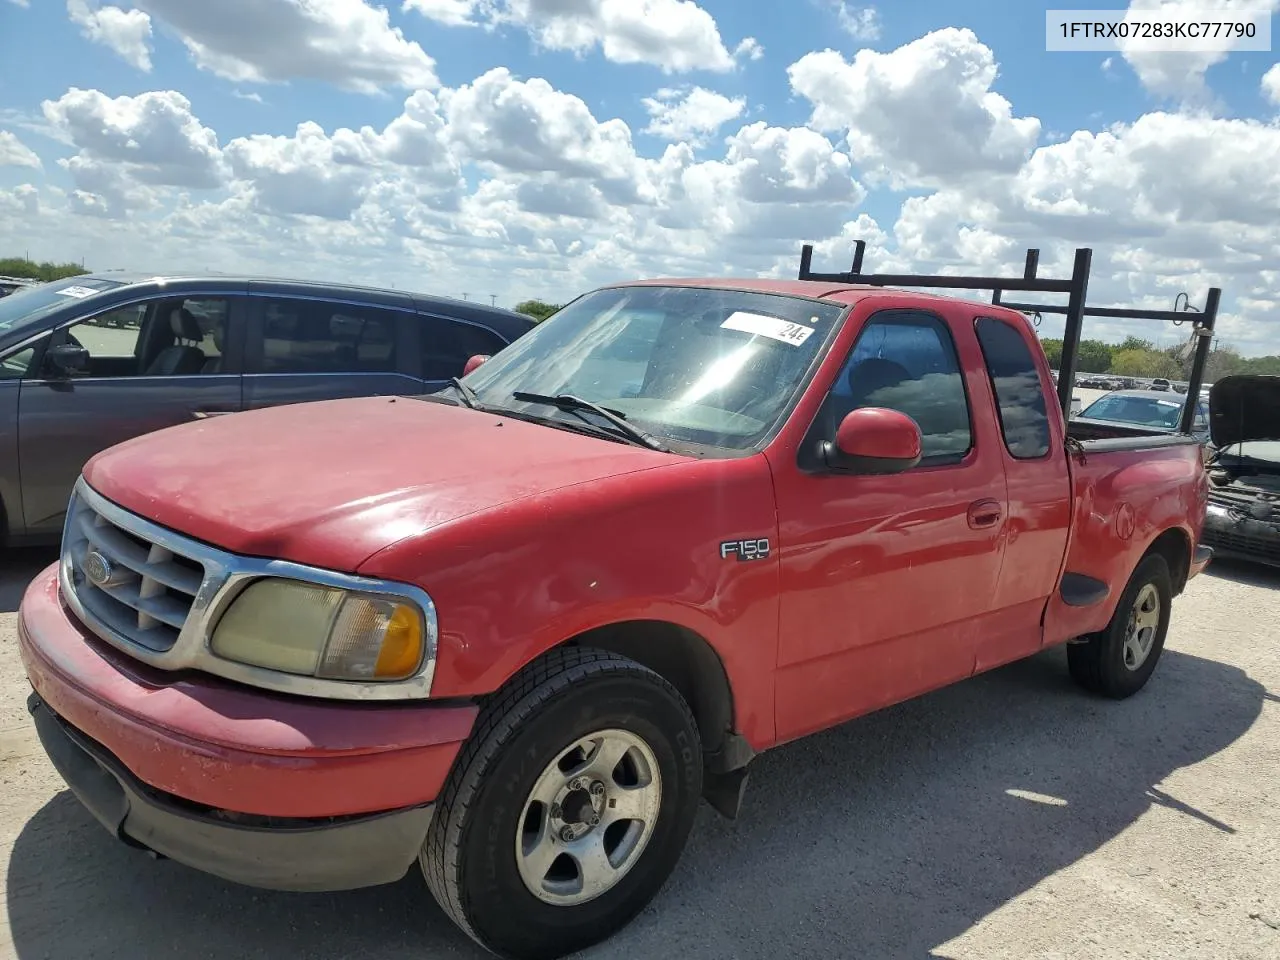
1241	538
256	787
275	854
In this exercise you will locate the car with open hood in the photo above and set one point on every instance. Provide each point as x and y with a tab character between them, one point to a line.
1243	514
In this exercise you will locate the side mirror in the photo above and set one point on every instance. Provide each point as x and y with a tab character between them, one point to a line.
67	359
874	441
474	362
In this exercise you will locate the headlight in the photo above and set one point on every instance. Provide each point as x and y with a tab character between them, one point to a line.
319	631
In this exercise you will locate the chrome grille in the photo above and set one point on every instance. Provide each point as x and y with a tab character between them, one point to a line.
140	590
157	595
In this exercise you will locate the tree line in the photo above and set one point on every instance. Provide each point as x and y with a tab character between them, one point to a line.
26	269
1135	357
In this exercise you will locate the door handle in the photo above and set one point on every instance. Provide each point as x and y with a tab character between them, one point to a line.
206	414
985	513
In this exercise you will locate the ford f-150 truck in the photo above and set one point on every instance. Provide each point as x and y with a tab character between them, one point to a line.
517	629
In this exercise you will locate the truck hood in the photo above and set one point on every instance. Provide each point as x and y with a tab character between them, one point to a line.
1244	408
331	483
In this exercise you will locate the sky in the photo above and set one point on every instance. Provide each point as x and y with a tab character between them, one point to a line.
512	149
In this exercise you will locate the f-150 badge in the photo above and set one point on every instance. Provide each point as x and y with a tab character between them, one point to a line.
744	550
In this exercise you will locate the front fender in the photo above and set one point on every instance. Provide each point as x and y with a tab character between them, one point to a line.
516	581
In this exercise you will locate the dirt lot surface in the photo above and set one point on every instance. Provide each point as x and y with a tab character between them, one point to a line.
1007	817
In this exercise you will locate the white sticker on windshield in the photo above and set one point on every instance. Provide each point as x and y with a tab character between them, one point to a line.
772	327
78	292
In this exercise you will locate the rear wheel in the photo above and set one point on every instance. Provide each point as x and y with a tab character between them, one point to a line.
569	808
1118	661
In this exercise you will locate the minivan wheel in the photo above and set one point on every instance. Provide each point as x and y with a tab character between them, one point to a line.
1118	661
569	807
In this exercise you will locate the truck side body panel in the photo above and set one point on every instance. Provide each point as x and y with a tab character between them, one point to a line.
1124	500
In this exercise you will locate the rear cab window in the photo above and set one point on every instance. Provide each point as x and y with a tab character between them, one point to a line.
1019	391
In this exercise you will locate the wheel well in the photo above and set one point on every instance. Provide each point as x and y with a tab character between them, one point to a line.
1175	546
690	664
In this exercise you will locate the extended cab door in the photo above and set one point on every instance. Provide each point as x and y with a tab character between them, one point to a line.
1039	485
303	348
886	581
152	364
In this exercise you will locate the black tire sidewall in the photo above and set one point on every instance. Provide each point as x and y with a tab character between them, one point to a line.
1116	676
501	910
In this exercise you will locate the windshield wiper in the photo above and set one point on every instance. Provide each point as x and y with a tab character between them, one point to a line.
469	398
571	404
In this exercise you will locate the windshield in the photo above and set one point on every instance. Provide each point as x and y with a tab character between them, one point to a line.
1143	411
688	364
26	306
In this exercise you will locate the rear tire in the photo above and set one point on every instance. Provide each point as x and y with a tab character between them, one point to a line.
532	803
1118	661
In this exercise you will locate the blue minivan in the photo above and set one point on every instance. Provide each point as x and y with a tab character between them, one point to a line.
90	361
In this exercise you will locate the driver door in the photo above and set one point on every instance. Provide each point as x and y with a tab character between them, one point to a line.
150	365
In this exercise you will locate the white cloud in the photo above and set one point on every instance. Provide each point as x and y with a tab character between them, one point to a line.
452	13
690	116
347	43
748	48
677	36
127	32
1180	75
1171	202
21	3
332	176
921	115
1271	85
527	126
250	96
15	153
23	201
511	185
861	23
130	146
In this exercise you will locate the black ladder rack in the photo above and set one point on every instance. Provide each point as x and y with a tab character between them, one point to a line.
1076	288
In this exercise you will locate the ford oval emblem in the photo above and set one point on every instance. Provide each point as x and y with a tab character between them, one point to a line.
97	568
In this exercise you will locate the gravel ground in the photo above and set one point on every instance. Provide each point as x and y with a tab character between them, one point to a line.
1006	817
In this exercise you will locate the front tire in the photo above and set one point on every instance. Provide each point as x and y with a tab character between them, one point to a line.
1118	661
568	809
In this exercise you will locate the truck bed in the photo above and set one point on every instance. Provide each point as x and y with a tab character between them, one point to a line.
1127	490
1100	435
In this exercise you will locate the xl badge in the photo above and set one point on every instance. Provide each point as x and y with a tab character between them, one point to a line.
744	550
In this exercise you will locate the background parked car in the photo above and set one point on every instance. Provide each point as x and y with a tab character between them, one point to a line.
1148	410
91	361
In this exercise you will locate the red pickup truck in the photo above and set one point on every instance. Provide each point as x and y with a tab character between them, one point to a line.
517	629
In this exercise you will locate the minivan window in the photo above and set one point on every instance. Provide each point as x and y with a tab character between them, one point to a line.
319	336
182	338
16	365
24	307
447	345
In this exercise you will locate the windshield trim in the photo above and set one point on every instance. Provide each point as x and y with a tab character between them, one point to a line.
669	284
701	450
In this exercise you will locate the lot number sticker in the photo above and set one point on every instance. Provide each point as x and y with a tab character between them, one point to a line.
78	292
772	327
